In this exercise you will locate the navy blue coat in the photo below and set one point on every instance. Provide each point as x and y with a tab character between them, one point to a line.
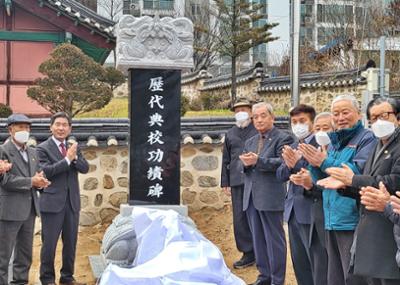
260	182
295	199
232	167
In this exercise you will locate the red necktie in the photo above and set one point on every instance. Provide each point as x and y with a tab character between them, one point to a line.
63	149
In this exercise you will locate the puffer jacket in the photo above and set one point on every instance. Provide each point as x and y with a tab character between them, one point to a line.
353	147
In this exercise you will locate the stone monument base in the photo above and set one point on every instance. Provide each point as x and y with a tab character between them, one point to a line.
126	209
98	263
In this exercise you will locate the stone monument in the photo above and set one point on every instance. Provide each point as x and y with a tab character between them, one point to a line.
153	51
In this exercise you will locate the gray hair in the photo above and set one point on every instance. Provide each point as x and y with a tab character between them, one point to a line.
347	97
266	105
323	115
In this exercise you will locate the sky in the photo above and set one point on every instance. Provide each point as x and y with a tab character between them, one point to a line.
278	11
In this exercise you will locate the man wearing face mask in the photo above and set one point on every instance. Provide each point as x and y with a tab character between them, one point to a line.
232	178
351	144
374	247
322	126
19	203
297	205
316	241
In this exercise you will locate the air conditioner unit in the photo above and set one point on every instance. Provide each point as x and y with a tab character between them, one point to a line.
308	20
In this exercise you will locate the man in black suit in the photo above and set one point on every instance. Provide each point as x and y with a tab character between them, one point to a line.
60	203
232	179
19	204
264	195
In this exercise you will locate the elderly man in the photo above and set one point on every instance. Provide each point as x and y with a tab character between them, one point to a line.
308	254
232	178
374	246
18	200
264	195
351	144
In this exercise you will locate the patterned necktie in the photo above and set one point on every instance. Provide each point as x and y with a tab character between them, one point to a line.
260	145
24	154
63	149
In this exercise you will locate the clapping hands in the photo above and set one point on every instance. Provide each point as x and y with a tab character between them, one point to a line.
290	156
249	158
5	166
40	181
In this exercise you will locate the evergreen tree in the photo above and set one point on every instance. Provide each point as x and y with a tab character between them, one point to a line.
239	30
72	82
113	77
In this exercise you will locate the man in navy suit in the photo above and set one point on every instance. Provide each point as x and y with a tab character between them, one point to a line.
309	259
60	203
264	195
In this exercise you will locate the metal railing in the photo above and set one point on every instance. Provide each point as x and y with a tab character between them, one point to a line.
158	4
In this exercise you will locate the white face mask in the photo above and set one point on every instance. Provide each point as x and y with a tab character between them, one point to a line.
301	131
383	129
242	119
21	137
322	138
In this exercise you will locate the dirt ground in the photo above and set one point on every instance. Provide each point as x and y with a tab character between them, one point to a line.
216	225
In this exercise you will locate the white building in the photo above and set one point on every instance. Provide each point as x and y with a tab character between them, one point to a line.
324	22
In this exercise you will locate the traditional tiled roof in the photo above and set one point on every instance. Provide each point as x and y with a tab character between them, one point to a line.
190	77
82	15
314	80
224	81
114	132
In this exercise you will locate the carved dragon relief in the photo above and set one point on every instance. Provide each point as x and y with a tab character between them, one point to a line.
152	42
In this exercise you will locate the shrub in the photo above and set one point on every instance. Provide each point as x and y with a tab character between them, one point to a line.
5	111
196	105
212	102
184	105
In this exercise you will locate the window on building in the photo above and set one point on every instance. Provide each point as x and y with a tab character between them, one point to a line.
158	4
196	9
130	7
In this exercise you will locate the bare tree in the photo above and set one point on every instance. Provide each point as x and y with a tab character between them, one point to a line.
310	61
205	26
111	9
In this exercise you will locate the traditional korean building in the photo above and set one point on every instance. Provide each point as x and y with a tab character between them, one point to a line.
29	31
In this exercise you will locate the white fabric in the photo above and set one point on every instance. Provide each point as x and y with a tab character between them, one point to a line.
170	252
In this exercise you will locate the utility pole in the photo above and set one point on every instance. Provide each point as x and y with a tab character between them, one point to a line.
382	67
294	52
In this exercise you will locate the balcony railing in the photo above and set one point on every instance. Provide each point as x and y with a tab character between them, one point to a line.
158	5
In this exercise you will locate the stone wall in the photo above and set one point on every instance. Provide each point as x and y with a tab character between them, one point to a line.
321	98
317	92
105	187
244	89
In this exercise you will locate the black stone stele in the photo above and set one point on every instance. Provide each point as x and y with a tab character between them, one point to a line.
154	148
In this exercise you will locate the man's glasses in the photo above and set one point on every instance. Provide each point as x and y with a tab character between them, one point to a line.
381	116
